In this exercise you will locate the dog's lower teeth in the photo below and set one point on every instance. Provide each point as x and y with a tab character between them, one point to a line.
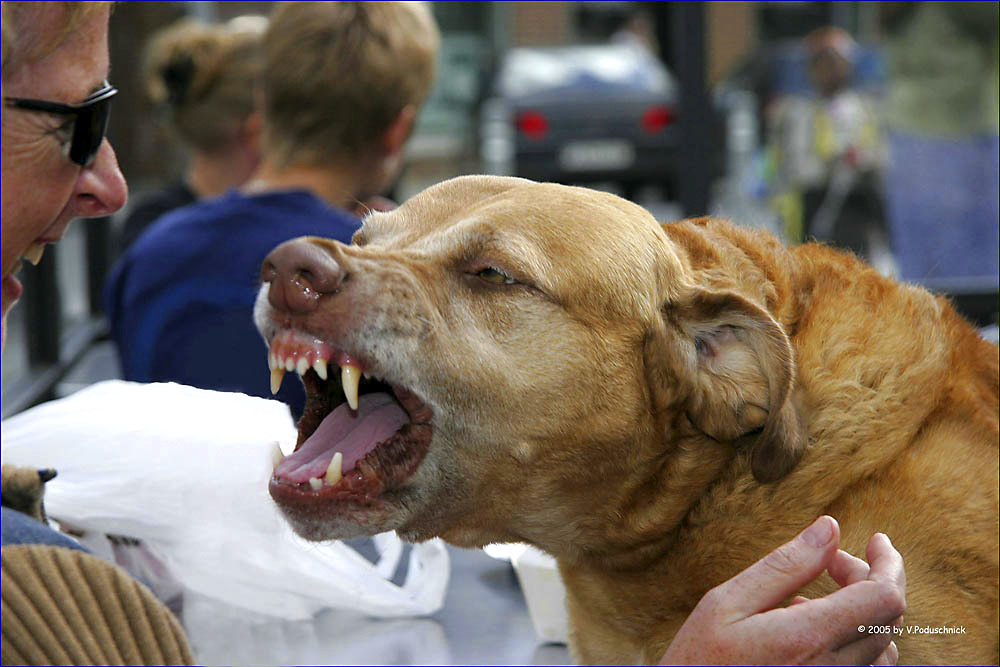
316	483
335	470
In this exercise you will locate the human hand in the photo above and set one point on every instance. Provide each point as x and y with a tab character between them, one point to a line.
739	622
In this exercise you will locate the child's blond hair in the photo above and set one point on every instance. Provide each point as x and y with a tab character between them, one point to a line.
337	74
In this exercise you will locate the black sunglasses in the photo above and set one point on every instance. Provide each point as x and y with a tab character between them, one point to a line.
89	126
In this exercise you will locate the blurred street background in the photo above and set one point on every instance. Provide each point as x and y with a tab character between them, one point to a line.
687	108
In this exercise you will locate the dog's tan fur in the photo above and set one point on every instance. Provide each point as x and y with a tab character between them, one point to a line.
658	407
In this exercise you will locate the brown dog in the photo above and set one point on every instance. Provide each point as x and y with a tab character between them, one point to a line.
657	407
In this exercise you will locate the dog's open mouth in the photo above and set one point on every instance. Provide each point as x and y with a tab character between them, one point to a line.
359	436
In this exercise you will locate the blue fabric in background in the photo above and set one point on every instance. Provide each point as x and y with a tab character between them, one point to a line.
180	300
942	195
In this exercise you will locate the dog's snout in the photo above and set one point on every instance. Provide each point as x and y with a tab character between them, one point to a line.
300	272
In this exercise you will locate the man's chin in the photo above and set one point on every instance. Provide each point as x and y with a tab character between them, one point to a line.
3	324
10	292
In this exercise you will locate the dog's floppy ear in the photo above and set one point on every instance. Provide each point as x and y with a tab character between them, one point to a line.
743	370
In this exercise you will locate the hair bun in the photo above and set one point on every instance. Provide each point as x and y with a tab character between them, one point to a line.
177	76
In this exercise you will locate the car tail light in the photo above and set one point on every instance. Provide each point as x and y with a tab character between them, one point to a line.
532	124
657	118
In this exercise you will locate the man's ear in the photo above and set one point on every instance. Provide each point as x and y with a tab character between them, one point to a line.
742	368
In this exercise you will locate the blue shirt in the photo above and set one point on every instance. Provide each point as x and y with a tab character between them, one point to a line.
180	300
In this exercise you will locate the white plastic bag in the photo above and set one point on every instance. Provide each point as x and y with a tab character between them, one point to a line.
185	471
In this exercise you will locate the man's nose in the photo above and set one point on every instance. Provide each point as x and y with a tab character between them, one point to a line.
300	272
101	188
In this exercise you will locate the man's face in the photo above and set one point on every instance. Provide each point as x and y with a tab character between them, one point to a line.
42	190
829	71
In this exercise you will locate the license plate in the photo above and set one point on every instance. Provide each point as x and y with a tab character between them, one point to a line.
597	155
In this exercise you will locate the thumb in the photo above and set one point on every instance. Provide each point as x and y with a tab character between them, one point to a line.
781	573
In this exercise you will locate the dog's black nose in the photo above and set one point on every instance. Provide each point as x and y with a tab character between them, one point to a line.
300	272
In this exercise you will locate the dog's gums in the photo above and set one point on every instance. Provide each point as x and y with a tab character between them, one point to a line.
353	450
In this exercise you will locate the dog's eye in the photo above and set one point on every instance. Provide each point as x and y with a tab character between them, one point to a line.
495	276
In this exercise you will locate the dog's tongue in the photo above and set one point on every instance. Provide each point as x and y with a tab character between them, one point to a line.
353	433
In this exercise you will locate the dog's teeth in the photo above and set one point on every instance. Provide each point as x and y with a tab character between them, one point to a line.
34	253
367	375
350	376
272	361
320	367
301	366
276	377
316	483
335	470
276	455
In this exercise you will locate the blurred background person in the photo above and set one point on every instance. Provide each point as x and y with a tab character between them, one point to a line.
942	119
342	84
828	154
203	80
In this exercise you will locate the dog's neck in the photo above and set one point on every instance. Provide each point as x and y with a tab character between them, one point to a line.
640	524
648	550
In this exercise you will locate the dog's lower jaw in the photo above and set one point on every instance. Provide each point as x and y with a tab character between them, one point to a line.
319	526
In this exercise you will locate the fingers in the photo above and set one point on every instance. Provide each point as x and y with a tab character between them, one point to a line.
890	656
840	622
887	568
781	573
848	615
872	596
847	569
886	563
870	650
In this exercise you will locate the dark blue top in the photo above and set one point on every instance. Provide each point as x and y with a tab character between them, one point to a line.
180	300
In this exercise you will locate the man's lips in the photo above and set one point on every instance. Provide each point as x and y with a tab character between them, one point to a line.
12	286
11	291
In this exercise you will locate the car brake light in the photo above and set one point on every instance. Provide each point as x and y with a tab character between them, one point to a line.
533	124
657	118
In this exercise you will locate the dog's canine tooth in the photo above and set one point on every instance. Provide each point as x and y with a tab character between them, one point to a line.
34	253
272	361
301	366
316	483
350	376
320	367
335	470
276	455
277	375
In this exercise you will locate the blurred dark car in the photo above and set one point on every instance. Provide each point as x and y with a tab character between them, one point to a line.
582	114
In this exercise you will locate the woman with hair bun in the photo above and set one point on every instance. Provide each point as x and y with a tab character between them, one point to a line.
203	80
